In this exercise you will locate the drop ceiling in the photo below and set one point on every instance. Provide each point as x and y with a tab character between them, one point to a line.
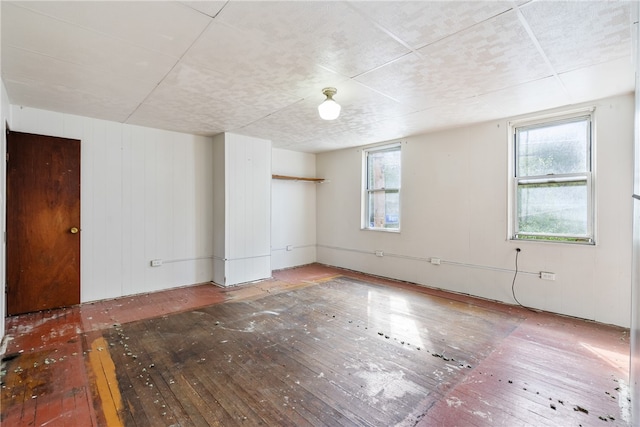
258	68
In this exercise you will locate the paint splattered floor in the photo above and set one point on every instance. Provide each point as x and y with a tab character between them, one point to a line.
313	346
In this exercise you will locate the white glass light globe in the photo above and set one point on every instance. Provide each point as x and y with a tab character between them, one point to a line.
329	110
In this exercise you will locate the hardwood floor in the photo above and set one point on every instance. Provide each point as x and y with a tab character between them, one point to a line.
314	346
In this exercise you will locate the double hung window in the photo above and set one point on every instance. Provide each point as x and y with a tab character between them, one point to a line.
381	204
553	198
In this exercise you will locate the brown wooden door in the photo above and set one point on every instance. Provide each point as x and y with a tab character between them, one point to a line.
43	222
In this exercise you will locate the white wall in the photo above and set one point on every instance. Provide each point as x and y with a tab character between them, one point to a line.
145	194
454	206
293	210
242	236
634	361
5	118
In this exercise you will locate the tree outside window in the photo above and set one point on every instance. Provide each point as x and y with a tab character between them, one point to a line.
553	197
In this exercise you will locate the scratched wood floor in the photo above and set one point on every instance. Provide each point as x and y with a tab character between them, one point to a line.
314	346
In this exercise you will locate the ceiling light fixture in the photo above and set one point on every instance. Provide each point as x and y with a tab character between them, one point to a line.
329	109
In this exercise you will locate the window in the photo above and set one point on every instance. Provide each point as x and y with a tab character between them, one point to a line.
381	204
553	180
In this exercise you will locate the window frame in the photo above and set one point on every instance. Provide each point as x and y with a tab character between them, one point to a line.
367	192
586	177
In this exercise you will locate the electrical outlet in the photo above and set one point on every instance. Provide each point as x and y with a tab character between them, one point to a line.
435	261
156	262
379	253
545	275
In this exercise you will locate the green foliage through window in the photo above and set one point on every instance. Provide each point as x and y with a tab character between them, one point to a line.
553	181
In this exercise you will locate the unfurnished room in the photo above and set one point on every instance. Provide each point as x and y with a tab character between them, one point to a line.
320	213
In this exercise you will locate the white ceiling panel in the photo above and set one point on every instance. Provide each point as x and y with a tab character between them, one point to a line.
299	123
215	102
486	57
210	8
68	100
537	95
31	31
258	67
419	23
166	27
28	66
576	34
328	33
598	81
448	115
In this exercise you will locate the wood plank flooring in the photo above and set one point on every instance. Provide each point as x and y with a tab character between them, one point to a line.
315	346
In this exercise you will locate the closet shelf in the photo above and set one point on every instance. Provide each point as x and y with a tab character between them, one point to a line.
297	178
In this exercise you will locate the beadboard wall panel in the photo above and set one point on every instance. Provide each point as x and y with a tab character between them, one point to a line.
146	194
243	222
293	209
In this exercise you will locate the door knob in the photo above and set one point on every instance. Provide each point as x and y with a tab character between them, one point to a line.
74	230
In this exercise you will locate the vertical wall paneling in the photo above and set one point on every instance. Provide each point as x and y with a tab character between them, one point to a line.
78	127
165	207
293	210
202	228
6	118
182	188
113	220
634	371
128	226
151	248
139	262
140	188
455	207
243	249
219	209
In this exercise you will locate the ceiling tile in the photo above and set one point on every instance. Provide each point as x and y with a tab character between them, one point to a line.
394	128
581	33
28	30
295	124
330	33
300	122
419	23
486	57
68	100
219	88
256	68
528	97
209	8
209	102
202	116
601	80
162	26
160	115
27	66
447	115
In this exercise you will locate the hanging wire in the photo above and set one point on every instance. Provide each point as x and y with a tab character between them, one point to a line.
513	285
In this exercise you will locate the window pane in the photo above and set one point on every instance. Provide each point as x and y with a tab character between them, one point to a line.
553	149
384	209
553	208
383	169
